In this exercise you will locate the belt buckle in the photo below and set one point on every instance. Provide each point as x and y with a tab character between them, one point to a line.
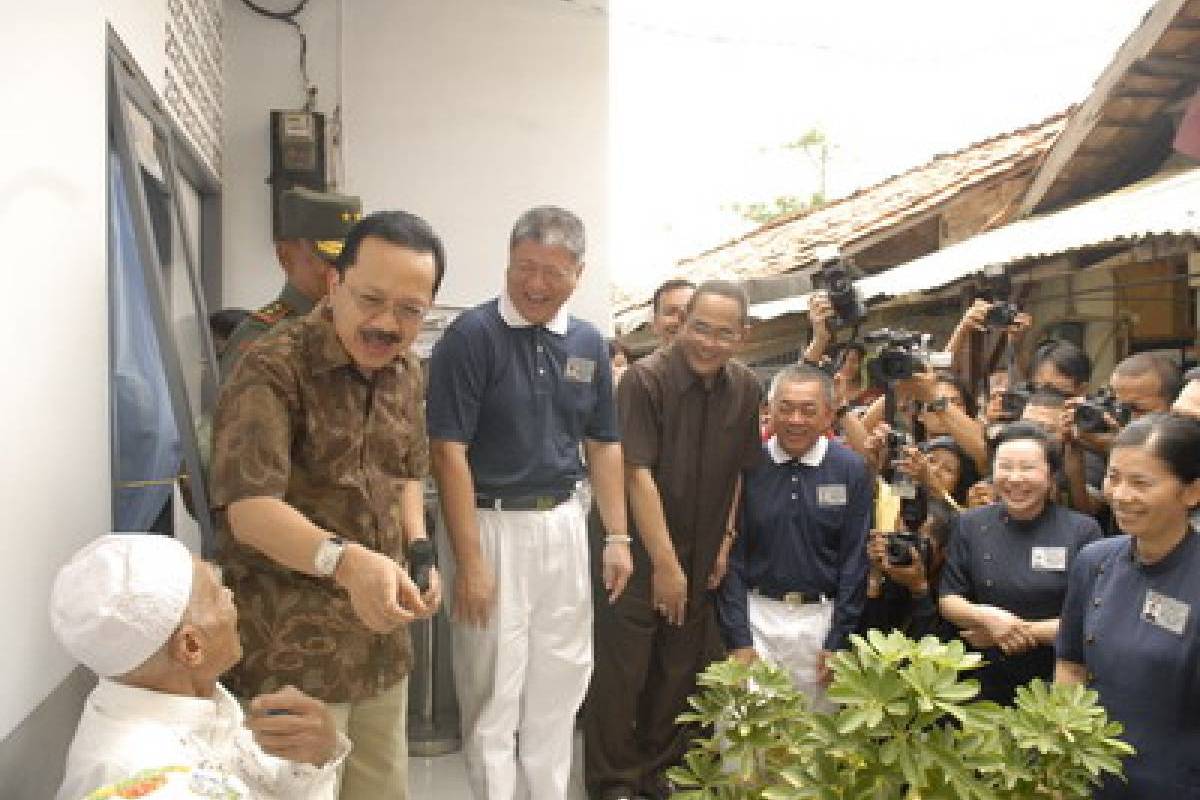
793	598
544	503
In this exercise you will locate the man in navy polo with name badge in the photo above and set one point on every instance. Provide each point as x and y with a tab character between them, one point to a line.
516	386
796	582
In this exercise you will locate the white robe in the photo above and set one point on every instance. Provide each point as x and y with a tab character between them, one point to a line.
124	729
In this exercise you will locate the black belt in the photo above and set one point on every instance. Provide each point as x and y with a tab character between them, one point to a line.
529	502
791	598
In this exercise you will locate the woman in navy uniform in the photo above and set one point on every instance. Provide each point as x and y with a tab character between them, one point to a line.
1006	573
1129	627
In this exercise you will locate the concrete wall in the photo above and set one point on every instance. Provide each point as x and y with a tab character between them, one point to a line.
54	417
465	112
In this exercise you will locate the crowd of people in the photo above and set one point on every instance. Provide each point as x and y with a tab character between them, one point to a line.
613	525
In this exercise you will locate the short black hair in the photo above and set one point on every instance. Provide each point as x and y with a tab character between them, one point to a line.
968	398
397	227
617	346
968	473
1170	381
1044	398
667	286
1172	438
1028	431
729	289
224	322
1066	357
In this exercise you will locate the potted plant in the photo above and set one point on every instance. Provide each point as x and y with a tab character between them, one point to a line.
908	728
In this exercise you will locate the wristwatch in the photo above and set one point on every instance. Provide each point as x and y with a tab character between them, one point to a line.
937	405
328	556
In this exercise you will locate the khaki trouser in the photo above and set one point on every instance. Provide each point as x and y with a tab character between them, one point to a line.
377	767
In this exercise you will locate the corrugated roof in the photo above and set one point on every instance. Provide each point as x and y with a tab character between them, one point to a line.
787	243
1164	205
1158	206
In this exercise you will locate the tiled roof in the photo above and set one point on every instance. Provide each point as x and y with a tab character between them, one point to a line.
787	243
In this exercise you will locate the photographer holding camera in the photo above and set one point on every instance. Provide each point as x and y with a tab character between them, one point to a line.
1140	384
843	361
903	577
984	315
942	405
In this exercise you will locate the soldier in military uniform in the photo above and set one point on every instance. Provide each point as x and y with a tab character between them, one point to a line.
311	229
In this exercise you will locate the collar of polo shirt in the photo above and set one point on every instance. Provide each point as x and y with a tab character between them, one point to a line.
813	458
513	319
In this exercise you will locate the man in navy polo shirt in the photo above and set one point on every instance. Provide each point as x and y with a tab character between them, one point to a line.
516	386
796	582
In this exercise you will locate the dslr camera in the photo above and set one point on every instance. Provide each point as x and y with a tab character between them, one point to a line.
997	286
1013	400
899	554
1001	314
835	276
1090	414
900	354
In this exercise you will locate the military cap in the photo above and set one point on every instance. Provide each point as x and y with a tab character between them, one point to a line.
324	218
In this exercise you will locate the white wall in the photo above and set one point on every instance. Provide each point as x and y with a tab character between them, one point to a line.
465	112
54	425
262	72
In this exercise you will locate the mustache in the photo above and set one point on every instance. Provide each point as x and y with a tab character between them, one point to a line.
376	336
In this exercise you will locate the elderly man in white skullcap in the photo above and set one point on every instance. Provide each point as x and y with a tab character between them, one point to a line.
158	628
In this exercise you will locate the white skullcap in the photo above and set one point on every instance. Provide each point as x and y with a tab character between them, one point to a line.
119	599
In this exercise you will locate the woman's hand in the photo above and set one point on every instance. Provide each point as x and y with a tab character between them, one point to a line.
915	464
1009	632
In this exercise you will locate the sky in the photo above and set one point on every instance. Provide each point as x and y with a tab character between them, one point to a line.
703	93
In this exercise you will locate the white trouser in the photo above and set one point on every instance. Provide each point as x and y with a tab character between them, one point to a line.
524	675
792	635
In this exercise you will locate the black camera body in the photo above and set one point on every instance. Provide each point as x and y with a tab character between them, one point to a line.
1013	401
421	559
836	278
913	510
898	355
1090	414
899	554
1001	314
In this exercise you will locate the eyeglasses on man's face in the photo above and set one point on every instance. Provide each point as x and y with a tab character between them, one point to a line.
372	304
720	334
527	270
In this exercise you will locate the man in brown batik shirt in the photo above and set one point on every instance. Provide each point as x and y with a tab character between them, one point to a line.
689	425
319	454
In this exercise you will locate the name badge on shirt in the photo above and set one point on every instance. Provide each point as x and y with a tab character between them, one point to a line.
1050	559
1166	612
831	494
580	370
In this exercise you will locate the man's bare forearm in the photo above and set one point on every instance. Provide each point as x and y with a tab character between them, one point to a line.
646	505
277	530
606	468
456	489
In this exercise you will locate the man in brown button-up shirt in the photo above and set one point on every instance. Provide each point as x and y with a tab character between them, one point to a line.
319	454
689	424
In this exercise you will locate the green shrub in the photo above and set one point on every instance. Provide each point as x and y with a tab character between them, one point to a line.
908	729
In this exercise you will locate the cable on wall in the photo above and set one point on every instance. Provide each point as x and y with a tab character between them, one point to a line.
289	18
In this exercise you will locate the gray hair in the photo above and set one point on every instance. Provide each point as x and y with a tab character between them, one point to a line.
803	373
550	226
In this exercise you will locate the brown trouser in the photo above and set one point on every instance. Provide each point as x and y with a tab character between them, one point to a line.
644	670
